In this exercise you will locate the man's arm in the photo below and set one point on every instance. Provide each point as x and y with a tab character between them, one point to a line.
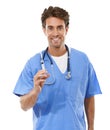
27	101
90	110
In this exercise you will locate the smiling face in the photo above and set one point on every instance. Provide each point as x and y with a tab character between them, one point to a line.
55	30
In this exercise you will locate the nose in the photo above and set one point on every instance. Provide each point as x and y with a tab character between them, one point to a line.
55	32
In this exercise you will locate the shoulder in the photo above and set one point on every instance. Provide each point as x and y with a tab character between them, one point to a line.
36	57
34	62
79	54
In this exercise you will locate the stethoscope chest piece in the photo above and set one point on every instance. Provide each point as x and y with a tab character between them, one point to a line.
68	75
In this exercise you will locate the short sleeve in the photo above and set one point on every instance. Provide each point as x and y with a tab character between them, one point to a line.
93	86
25	81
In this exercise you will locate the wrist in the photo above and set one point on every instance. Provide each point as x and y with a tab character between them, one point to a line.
37	89
91	128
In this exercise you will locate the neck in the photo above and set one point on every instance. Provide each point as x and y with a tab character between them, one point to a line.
57	51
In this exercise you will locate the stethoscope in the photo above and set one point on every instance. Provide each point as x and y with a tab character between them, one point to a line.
67	76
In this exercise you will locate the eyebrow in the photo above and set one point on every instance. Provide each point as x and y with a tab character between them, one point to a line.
53	26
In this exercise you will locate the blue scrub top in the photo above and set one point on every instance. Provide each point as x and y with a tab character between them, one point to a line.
60	105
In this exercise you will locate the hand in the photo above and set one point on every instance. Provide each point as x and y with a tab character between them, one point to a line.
40	78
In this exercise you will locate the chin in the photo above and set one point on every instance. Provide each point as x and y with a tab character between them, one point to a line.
57	45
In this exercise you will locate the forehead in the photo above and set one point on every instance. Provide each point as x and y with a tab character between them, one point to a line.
53	21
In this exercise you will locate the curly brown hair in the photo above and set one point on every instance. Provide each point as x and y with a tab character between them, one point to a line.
55	12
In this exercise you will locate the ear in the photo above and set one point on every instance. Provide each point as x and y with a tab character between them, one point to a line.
44	30
67	29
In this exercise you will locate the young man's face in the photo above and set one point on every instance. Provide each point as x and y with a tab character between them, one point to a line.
55	30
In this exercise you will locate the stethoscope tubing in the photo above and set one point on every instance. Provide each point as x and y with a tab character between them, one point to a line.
68	75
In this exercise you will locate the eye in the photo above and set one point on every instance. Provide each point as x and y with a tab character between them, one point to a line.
50	28
60	28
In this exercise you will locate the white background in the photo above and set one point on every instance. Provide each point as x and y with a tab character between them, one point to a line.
21	37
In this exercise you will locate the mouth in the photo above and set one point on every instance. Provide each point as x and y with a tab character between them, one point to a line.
56	40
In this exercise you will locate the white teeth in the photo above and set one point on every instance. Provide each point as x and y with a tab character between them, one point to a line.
55	39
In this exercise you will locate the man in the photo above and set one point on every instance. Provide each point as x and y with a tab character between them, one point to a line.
60	82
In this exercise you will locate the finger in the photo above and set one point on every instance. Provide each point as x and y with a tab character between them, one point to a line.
40	73
43	76
40	77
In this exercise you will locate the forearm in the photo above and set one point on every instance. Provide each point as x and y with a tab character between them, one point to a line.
90	110
28	101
